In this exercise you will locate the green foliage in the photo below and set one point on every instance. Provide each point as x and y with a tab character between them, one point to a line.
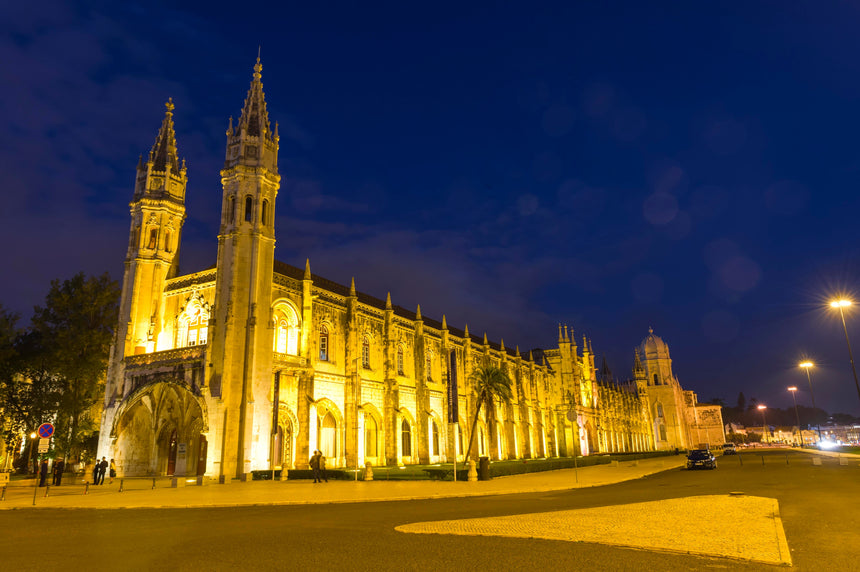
76	327
490	383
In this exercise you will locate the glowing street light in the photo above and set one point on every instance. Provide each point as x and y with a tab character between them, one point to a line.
793	391
807	365
843	303
763	420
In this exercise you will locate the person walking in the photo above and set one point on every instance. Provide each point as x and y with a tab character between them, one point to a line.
43	472
322	467
315	465
59	467
102	470
112	471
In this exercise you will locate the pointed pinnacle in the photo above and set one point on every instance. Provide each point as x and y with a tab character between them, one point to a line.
466	332
485	338
501	343
388	301
444	322
418	313
531	356
518	351
352	288
307	269
560	337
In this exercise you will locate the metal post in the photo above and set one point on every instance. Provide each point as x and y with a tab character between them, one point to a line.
153	482
3	494
86	488
812	395
47	488
797	418
850	353
120	485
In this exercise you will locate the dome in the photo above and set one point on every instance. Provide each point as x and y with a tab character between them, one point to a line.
654	346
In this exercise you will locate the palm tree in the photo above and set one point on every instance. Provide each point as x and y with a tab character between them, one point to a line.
490	382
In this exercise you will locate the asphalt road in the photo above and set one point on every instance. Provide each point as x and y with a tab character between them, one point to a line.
817	505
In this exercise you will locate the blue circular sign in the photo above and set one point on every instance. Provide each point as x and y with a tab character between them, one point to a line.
46	430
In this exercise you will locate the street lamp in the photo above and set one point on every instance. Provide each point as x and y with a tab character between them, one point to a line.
793	391
807	365
763	420
843	303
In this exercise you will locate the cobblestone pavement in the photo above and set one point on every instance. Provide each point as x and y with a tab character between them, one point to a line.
741	527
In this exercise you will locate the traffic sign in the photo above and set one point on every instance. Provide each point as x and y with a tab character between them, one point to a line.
44	443
46	430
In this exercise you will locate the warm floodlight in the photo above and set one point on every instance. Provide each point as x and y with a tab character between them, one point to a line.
841	303
792	389
762	407
806	364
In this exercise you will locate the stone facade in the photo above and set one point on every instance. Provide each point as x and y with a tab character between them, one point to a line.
254	363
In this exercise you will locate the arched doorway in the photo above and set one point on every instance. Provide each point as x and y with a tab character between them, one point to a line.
160	430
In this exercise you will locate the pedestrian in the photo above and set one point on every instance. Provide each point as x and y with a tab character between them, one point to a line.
96	471
59	467
112	471
102	470
43	472
322	467
315	465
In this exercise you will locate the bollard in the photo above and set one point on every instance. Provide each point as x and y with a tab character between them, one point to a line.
120	485
35	491
472	474
47	488
3	494
153	482
86	488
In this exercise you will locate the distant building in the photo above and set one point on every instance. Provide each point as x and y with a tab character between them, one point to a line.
254	363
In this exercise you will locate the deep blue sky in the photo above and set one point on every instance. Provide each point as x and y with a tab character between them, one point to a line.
612	165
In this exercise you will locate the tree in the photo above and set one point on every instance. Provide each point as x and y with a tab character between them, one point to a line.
490	383
76	328
742	401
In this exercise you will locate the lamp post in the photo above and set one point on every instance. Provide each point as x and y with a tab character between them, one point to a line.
793	390
807	365
763	420
843	303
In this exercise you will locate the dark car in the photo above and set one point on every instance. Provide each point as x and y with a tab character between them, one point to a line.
701	458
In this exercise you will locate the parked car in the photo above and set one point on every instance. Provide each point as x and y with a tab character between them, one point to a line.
701	458
730	449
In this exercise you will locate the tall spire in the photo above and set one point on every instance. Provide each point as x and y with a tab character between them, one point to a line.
352	293
255	117
163	153
307	275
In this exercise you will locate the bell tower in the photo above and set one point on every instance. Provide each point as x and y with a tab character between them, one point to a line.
157	214
240	338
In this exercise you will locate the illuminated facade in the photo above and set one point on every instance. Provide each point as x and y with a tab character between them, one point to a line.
254	363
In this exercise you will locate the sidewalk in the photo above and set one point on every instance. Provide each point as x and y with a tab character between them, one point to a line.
268	493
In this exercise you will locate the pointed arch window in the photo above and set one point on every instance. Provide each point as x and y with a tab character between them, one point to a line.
324	347
249	209
370	436
400	361
231	210
167	241
428	366
153	238
194	329
660	410
434	437
365	352
286	330
264	212
405	439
